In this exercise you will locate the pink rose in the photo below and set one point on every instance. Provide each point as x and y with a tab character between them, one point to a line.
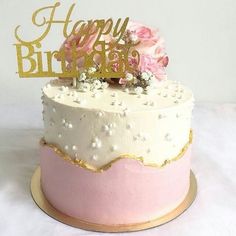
149	40
82	46
148	63
151	49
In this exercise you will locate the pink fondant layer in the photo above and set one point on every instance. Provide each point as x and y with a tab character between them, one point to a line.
126	193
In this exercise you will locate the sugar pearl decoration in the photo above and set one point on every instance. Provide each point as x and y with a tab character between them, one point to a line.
80	101
149	103
126	90
94	157
105	127
95	95
114	95
59	96
108	129
114	103
99	114
140	137
138	90
168	137
66	147
121	104
48	86
96	143
59	135
64	89
128	126
113	148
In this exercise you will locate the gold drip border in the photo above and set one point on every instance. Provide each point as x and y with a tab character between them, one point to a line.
86	165
44	205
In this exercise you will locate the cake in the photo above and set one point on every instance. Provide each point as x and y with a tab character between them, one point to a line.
117	151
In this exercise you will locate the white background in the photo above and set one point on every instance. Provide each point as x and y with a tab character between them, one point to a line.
200	40
201	43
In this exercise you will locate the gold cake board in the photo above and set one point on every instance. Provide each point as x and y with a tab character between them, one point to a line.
42	203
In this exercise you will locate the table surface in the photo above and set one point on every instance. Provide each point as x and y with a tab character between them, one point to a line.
214	161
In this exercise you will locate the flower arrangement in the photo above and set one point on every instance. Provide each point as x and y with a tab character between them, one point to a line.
148	70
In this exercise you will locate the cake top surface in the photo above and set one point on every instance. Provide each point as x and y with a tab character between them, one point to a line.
167	94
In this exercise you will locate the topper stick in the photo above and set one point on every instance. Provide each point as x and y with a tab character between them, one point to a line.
74	82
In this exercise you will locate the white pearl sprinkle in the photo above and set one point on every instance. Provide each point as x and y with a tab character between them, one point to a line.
105	127
48	86
126	90
128	126
64	89
66	147
99	114
121	104
168	137
59	135
52	122
110	132
63	121
114	95
94	145
70	126
113	148
74	148
124	113
95	95
144	138
94	157
114	103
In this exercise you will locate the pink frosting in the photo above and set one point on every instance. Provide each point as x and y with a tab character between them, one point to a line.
126	193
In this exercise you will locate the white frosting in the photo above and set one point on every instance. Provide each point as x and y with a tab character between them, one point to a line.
99	128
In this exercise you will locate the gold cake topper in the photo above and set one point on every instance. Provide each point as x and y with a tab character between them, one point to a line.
33	62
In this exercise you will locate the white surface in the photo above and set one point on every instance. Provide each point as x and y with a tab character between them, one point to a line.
200	38
155	140
214	161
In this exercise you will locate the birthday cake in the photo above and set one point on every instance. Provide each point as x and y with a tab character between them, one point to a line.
116	150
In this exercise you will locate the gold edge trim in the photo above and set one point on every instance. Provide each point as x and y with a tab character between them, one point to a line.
85	165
